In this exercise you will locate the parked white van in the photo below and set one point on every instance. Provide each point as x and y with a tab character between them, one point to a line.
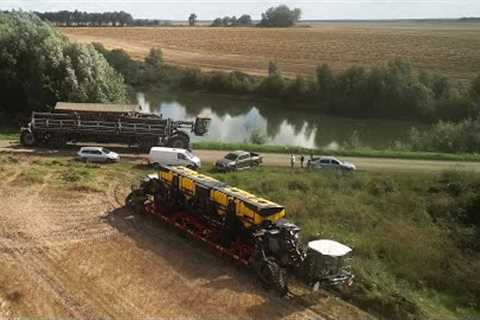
173	157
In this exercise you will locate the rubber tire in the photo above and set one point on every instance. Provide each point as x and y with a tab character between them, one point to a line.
27	138
273	276
178	142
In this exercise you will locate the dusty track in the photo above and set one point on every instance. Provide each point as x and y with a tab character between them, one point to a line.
79	255
276	159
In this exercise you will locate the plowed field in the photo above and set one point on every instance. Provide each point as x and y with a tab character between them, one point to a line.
449	48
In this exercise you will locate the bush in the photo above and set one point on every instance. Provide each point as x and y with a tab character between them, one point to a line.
257	137
39	67
192	79
280	17
448	137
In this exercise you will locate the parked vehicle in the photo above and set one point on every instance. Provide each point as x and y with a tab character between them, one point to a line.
330	163
97	154
107	123
238	160
172	156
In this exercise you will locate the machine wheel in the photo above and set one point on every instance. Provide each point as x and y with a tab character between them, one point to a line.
135	202
27	138
179	141
273	276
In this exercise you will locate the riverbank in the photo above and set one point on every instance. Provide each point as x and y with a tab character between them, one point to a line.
358	152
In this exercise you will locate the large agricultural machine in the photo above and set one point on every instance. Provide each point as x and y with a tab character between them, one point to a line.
104	123
249	229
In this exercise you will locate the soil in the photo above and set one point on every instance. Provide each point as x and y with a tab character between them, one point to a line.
77	253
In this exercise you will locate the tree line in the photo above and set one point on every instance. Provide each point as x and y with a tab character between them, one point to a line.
278	17
82	18
243	21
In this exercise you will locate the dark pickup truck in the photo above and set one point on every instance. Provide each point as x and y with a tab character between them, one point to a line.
238	160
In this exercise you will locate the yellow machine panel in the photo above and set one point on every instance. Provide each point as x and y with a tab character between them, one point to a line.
250	209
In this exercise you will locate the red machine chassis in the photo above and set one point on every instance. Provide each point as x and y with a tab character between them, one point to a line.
194	226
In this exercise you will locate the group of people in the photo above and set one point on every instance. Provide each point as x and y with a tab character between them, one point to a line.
302	160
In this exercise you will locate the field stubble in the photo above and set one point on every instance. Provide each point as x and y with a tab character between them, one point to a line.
449	48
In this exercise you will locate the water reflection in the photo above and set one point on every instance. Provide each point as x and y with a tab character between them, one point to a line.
235	120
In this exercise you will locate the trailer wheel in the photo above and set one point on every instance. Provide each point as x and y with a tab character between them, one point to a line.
179	141
27	138
57	141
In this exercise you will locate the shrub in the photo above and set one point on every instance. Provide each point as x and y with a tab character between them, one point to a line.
448	137
39	67
257	137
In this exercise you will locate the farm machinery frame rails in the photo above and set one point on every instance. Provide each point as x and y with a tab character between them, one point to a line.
249	229
108	123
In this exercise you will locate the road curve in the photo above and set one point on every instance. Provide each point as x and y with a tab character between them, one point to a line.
278	159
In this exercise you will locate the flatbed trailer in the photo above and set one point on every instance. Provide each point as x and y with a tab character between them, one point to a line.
89	123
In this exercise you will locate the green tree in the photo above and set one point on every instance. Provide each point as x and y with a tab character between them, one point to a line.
192	19
280	17
325	85
217	22
39	67
245	20
475	91
154	58
273	69
226	21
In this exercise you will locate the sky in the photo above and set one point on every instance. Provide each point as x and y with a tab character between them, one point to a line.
311	9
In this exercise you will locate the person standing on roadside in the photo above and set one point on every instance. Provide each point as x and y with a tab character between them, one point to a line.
302	159
292	160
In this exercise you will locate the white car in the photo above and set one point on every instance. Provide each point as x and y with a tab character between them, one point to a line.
173	157
97	154
330	163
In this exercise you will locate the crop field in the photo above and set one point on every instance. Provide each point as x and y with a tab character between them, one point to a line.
449	48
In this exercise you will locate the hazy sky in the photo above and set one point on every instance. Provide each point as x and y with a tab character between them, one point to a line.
312	9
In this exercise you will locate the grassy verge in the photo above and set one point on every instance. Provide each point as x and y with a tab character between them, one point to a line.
410	243
359	152
415	236
9	133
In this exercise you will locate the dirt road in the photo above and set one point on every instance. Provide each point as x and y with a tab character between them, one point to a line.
77	254
274	159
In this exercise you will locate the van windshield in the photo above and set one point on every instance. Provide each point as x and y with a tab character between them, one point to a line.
106	151
188	154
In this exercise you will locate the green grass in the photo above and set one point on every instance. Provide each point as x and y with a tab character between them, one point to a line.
408	259
9	133
415	255
359	152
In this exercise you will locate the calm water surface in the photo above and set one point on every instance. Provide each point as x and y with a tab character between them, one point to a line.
235	120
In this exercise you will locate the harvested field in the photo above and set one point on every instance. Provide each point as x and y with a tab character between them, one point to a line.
69	250
449	48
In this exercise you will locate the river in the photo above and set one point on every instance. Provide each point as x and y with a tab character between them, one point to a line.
234	120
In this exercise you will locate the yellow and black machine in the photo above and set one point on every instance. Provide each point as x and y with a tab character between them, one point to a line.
248	228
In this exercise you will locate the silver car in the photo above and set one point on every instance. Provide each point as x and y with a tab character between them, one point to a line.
97	154
330	163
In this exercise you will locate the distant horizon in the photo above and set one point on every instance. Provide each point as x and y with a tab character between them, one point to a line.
206	10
